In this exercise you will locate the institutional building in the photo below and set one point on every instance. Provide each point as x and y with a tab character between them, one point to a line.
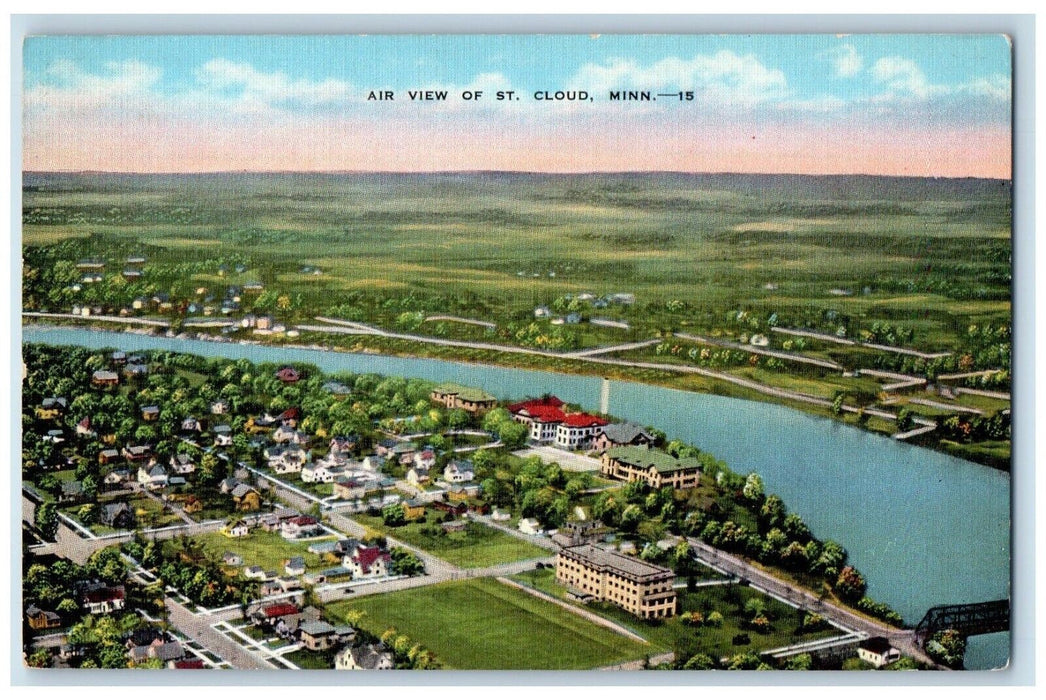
641	588
655	468
463	397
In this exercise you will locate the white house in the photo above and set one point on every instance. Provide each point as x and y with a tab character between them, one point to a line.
458	472
183	464
236	529
576	431
530	526
152	476
366	657
425	459
368	562
320	473
877	651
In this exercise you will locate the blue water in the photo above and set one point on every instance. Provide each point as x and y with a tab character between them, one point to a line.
925	528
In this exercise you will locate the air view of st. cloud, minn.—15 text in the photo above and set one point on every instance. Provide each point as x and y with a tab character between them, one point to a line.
516	352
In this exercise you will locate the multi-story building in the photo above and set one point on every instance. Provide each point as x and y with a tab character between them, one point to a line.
641	588
655	468
464	397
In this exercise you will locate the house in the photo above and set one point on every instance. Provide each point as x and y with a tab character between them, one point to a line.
222	435
107	456
458	471
368	562
641	588
40	619
227	485
463	397
366	657
119	357
284	435
530	526
238	528
192	504
319	472
104	378
620	434
152	476
500	516
136	453
346	547
182	464
403	453
458	508
373	463
344	443
135	370
246	497
71	491
295	566
414	509
542	312
454	526
418	475
150	413
575	431
83	429
877	651
232	559
425	459
463	492
255	573
288	460
290	417
347	489
653	467
301	526
258	424
167	652
56	436
187	664
287	375
191	424
220	407
116	477
51	408
101	599
337	389
317	636
118	516
575	532
270	614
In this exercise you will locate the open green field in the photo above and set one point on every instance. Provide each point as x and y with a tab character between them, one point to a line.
716	254
478	546
672	634
265	549
483	624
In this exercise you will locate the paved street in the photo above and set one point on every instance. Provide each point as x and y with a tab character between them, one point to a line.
198	628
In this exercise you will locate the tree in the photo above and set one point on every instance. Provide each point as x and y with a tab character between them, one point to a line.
850	585
631	516
699	662
753	488
393	515
799	662
513	435
47	520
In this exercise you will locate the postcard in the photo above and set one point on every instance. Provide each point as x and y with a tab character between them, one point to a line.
516	352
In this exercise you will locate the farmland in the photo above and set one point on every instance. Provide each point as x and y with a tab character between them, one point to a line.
908	262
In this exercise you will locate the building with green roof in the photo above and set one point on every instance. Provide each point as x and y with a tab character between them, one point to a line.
655	468
464	397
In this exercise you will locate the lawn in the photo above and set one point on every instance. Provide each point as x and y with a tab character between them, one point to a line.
483	624
477	546
673	634
265	549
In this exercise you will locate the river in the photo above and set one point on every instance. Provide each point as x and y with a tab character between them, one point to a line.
925	528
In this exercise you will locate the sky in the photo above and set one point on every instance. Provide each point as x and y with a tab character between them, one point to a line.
922	105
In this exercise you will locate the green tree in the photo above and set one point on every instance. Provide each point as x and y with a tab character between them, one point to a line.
47	520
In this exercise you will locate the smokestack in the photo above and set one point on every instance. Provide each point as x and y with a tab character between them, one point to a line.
604	397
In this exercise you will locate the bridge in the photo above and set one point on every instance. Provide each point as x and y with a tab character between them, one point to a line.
968	620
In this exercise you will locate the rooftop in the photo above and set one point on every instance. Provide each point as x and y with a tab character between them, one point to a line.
467	393
630	567
642	458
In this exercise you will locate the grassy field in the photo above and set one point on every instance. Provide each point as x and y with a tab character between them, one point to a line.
483	624
703	253
265	549
478	546
673	634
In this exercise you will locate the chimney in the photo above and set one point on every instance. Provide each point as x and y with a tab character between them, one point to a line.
604	397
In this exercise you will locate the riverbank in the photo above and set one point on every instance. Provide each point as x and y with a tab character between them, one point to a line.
682	377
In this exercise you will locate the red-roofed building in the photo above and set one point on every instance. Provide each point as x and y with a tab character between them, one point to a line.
288	375
301	526
187	664
271	613
541	416
577	430
101	600
368	562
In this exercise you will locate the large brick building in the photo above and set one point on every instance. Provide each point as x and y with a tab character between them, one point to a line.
463	397
641	588
655	468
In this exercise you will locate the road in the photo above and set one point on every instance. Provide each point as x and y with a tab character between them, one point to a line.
198	628
902	639
791	357
846	341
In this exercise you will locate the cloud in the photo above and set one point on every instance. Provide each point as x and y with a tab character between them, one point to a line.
844	59
124	84
252	87
724	77
901	77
